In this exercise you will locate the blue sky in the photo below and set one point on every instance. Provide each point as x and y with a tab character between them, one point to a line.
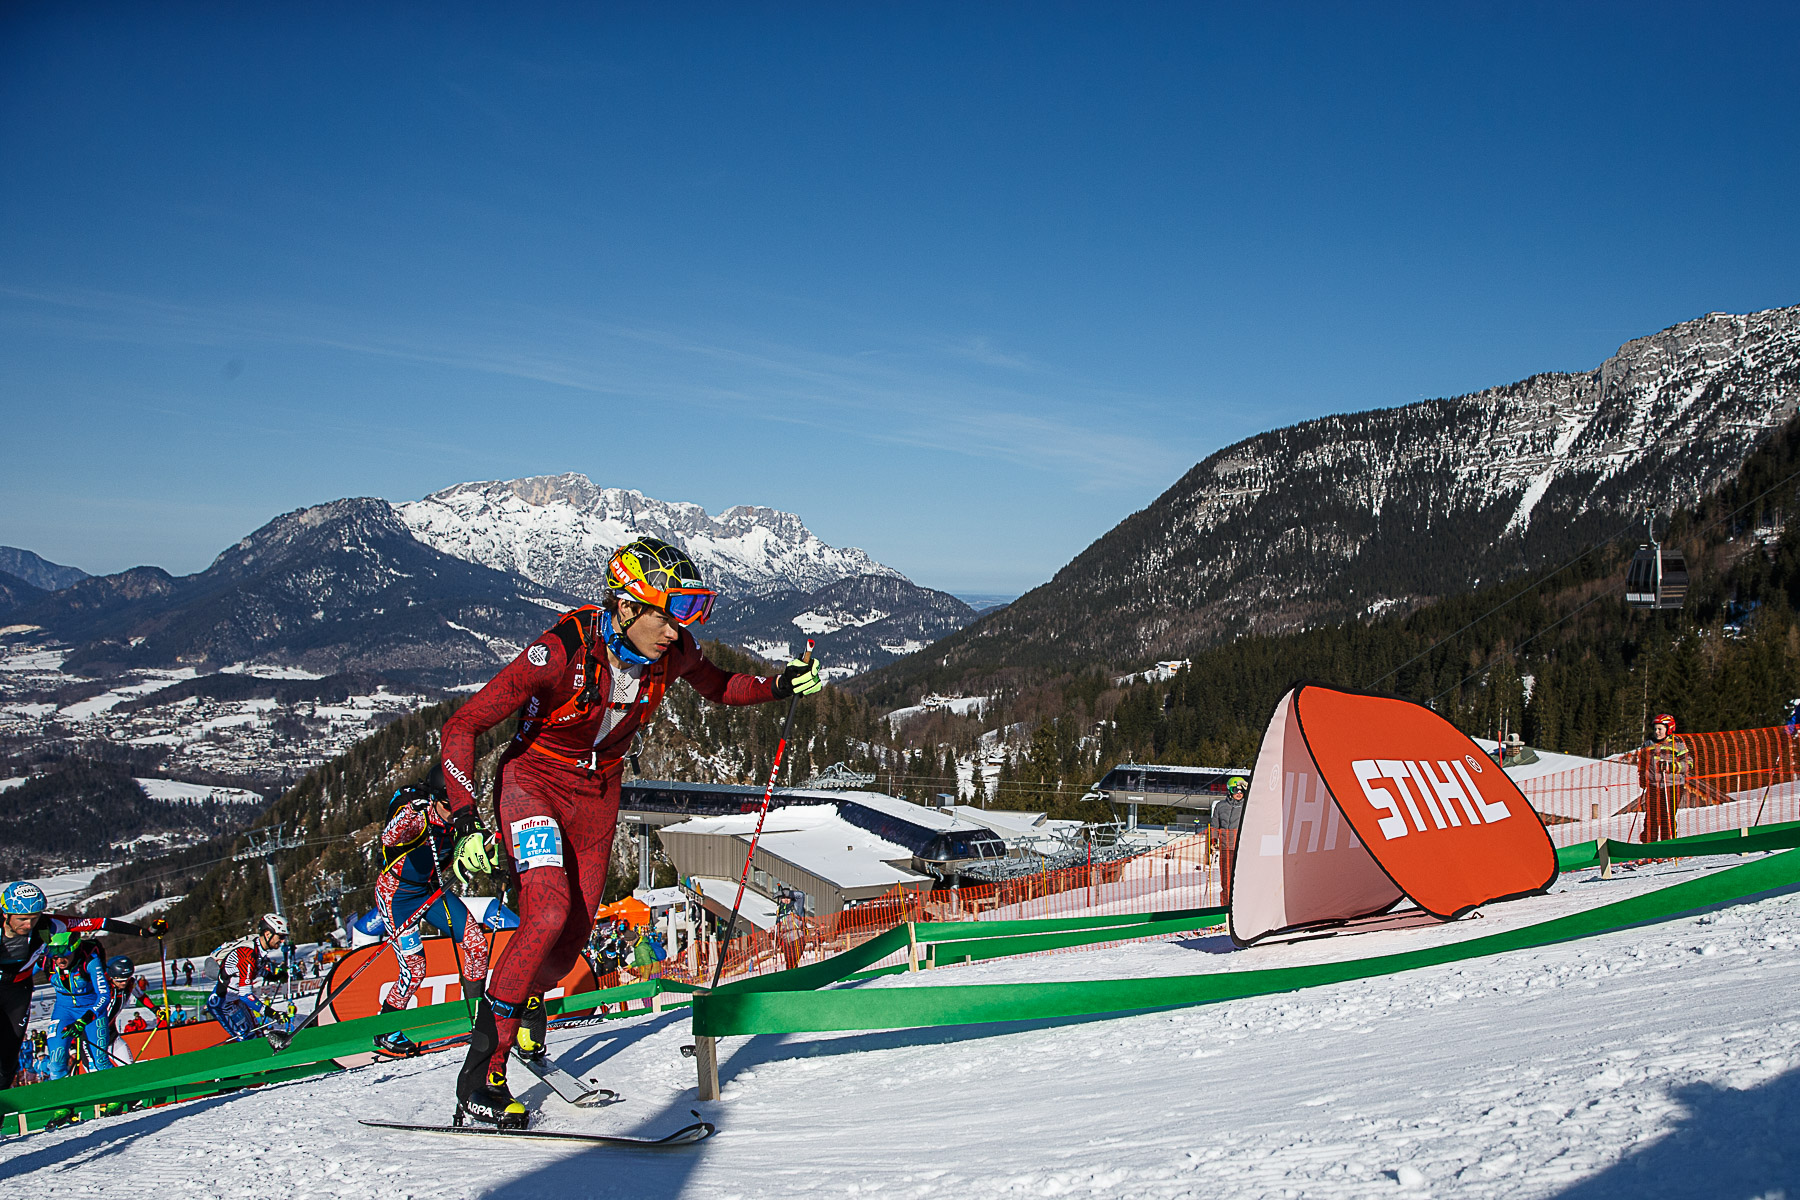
963	285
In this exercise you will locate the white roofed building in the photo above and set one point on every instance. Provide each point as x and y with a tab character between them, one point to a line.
810	849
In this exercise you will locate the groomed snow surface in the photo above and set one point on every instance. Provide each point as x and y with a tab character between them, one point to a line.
1653	1062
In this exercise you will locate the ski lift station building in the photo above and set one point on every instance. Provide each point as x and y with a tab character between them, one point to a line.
1131	784
837	848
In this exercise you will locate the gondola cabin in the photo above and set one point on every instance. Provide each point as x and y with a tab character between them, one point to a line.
1658	578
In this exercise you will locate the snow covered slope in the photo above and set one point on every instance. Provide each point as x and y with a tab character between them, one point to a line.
1660	1061
559	530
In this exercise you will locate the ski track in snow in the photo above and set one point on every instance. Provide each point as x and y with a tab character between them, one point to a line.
1652	1062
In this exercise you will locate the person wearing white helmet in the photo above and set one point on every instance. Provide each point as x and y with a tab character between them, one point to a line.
256	956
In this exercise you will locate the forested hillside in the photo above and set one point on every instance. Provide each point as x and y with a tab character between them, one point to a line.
1555	656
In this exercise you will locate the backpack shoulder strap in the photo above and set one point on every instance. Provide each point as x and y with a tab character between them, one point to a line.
577	628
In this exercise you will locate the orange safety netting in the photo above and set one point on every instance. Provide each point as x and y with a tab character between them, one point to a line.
1732	780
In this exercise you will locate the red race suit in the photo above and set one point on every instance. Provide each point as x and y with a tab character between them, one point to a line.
557	792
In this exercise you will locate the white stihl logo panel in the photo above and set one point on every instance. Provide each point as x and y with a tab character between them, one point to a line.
1310	817
1439	795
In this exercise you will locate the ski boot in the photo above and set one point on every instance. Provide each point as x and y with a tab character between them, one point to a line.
113	1108
490	1102
395	1044
481	1093
533	1030
61	1117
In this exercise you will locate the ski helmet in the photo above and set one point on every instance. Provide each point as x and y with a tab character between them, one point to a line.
1237	787
273	923
653	572
21	898
60	944
119	967
1663	719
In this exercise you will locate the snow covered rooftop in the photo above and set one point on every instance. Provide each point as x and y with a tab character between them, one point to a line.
1547	763
758	909
816	839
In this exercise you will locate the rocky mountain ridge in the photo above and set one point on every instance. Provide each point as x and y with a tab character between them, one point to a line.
779	583
560	530
350	586
1356	514
40	573
337	587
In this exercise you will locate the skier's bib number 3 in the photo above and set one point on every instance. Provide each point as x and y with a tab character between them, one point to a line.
537	842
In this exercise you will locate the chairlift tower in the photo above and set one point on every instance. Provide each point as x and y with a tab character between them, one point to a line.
839	777
266	844
331	891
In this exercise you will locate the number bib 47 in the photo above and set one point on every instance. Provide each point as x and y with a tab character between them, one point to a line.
537	842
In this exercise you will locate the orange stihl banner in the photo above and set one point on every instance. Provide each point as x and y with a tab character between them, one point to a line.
160	1042
1444	822
1359	802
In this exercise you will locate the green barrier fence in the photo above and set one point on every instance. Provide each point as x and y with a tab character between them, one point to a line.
772	1009
245	1064
1728	841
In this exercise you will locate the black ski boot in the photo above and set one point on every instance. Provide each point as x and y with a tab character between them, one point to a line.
395	1044
533	1030
484	1036
481	1093
492	1103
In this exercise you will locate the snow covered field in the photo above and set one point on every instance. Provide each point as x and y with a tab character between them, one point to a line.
1653	1062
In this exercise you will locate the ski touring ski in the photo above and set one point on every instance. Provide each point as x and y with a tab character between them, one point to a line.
687	1135
575	1091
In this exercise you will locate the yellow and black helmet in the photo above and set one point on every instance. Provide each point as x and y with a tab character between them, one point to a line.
653	572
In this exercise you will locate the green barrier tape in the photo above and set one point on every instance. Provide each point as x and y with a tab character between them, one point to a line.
1779	836
970	950
722	1014
1730	841
242	1064
817	975
1574	858
852	962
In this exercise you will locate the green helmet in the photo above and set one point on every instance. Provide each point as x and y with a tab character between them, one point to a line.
60	944
1237	787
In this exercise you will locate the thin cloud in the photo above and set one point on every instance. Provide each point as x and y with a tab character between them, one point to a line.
913	394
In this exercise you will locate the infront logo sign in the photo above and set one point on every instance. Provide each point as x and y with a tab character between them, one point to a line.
1440	790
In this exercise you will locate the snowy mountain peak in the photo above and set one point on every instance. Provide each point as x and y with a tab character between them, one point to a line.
559	529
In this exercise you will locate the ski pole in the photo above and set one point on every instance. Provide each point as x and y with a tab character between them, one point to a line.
762	814
162	958
280	1041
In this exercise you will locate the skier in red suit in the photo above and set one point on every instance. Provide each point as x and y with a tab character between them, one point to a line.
581	691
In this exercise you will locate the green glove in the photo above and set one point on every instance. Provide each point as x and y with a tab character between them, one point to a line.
474	852
799	679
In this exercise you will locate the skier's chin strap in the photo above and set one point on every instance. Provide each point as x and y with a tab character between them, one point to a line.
615	640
